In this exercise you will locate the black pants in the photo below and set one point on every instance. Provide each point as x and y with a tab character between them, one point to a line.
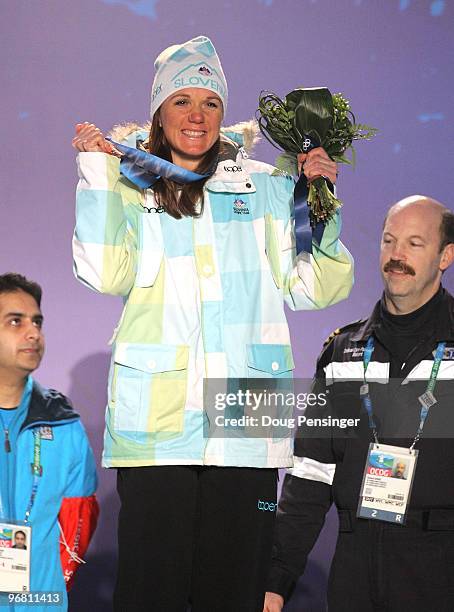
382	567
198	535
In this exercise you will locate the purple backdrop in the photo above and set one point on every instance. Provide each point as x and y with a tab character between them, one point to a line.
92	60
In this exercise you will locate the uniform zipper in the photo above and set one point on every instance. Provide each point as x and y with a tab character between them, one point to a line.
7	442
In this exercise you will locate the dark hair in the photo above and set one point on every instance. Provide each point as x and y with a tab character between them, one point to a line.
22	532
11	282
446	229
179	201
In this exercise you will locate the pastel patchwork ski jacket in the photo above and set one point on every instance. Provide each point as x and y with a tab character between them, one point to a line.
203	299
65	491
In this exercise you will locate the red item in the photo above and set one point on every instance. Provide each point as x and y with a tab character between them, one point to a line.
78	517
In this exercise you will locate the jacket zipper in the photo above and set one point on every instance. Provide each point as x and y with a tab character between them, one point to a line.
7	442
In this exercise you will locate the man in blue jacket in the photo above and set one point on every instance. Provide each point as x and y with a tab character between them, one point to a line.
47	470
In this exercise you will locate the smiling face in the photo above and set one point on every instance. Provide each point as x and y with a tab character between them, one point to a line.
191	121
410	259
21	337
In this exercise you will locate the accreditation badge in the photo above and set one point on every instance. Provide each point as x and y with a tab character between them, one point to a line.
387	483
15	545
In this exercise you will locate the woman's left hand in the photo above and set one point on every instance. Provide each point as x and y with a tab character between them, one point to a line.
317	163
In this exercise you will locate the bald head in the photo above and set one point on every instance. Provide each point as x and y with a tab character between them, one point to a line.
418	200
430	208
417	247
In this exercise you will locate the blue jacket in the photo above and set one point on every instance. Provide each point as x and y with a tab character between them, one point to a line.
68	482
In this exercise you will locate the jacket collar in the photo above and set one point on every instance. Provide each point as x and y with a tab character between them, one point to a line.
369	326
231	176
444	329
229	167
48	406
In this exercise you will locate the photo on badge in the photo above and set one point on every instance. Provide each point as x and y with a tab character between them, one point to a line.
15	546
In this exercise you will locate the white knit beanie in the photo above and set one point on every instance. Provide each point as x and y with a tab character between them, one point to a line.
194	63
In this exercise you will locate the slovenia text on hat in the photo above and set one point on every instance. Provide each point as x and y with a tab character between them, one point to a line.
194	63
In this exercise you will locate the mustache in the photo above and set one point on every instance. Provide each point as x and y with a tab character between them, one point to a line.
399	265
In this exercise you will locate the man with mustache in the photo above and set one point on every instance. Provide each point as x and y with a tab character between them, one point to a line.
47	470
395	370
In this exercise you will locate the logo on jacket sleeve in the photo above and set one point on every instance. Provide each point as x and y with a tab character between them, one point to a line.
240	207
448	353
46	432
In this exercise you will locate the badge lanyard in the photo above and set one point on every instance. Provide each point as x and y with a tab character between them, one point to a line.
36	465
427	399
7	448
37	471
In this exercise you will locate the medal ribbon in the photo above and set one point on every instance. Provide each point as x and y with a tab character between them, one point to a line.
144	169
425	406
304	232
364	389
426	400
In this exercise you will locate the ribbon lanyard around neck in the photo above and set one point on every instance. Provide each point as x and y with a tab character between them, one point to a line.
37	471
144	169
427	399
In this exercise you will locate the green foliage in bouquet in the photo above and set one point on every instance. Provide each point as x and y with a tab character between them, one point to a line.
311	117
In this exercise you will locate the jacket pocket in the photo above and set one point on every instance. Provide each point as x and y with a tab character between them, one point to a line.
265	360
273	362
149	389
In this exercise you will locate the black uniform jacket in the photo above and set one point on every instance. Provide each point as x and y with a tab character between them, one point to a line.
306	497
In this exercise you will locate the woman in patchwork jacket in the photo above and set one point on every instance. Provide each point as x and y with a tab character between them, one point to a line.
204	269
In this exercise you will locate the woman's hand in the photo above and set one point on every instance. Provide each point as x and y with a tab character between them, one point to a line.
317	163
89	138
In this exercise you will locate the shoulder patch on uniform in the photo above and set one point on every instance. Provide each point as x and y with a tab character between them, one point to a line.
332	335
342	329
46	432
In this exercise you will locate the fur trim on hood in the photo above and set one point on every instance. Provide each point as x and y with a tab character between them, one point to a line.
245	133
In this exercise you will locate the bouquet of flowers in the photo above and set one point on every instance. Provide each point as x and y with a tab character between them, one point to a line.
307	118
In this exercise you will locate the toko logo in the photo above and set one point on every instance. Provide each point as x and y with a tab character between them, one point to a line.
266	506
